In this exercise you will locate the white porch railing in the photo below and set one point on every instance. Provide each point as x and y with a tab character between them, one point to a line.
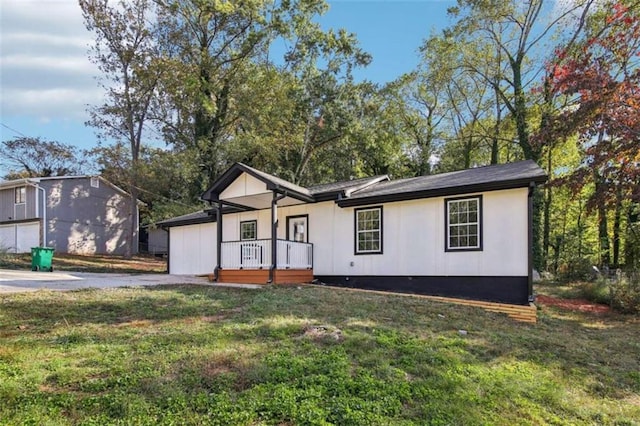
294	255
256	254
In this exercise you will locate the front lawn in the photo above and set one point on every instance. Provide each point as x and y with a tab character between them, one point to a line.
95	263
290	356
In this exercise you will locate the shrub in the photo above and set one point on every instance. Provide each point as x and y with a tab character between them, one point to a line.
578	269
4	254
625	293
598	291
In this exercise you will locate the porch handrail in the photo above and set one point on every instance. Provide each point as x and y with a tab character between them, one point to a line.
247	254
256	254
295	255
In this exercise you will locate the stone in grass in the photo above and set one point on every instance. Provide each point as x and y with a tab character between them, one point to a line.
462	332
323	331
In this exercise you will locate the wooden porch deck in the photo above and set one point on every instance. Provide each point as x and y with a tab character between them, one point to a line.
261	276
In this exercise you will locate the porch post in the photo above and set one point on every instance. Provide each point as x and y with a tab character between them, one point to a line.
274	237
218	240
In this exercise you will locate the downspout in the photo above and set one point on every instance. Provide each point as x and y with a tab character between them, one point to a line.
216	271
274	234
44	212
532	187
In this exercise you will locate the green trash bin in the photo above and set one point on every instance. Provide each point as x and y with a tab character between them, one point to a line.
41	258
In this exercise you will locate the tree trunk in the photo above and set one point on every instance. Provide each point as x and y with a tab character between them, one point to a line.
546	226
133	220
495	146
579	226
632	240
520	113
603	236
616	227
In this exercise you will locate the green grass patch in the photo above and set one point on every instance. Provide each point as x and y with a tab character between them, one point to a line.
310	356
94	263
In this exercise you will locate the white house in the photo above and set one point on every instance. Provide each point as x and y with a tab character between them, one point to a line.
463	234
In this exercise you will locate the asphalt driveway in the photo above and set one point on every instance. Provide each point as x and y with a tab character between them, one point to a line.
19	281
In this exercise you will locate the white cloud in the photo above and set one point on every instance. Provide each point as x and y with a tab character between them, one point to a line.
48	104
43	39
46	73
73	64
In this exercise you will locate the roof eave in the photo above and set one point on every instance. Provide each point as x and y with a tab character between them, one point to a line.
441	192
290	193
8	184
186	222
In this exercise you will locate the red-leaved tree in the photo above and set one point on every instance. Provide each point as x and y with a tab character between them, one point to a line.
601	77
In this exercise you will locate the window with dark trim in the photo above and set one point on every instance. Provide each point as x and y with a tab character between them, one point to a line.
21	195
368	230
463	223
248	230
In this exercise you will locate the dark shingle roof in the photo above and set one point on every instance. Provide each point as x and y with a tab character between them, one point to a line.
502	176
333	189
202	216
380	189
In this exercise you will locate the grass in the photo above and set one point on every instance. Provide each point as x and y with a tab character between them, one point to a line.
94	263
622	294
294	356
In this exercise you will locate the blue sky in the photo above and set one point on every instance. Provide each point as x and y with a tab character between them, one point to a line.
46	80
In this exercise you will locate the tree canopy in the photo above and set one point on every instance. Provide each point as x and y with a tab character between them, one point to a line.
193	86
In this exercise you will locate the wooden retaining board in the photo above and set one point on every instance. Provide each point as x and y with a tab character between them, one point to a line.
522	313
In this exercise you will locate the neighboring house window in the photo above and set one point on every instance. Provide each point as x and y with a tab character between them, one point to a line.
248	230
95	182
368	236
21	195
463	223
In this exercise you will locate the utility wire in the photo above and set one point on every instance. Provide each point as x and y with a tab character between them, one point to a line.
14	130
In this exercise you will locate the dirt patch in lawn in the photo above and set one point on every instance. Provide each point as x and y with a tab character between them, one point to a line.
581	305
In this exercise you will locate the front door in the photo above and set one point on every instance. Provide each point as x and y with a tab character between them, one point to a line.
250	249
298	228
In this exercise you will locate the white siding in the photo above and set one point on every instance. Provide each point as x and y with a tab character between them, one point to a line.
231	224
244	185
413	239
193	249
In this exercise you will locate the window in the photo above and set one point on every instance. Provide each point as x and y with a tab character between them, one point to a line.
464	224
21	195
368	231
248	230
297	228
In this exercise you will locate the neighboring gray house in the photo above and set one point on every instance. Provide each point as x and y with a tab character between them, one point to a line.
72	214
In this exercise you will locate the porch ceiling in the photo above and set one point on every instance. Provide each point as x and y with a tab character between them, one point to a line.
261	201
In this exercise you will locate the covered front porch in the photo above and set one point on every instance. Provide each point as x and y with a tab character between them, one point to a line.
252	247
